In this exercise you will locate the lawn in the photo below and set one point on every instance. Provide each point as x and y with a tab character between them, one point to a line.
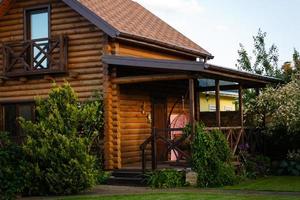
186	196
273	183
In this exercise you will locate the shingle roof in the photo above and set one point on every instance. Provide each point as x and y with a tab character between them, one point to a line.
133	20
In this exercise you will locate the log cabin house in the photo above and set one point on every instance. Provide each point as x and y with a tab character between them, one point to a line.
148	72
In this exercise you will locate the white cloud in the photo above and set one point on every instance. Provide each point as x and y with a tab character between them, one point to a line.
189	7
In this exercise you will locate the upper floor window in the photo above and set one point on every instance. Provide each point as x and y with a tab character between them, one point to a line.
37	24
37	30
41	52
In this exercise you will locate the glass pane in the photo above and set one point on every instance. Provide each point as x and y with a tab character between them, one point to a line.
25	111
10	115
39	24
39	29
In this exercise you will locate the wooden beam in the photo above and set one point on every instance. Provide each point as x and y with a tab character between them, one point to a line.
241	105
192	102
218	113
150	78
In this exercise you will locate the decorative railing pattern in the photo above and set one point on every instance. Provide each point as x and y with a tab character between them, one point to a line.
172	145
35	57
234	135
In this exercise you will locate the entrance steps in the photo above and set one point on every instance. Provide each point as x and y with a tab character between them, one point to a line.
127	178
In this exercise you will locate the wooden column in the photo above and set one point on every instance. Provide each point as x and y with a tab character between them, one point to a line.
218	112
257	91
197	100
241	105
192	102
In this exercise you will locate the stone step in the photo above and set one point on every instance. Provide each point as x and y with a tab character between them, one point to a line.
127	178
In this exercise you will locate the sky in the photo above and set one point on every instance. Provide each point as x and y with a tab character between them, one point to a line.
219	26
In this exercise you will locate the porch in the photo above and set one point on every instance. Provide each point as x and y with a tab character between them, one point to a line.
153	100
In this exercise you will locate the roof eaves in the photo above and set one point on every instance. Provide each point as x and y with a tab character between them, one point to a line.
153	63
243	73
92	17
168	45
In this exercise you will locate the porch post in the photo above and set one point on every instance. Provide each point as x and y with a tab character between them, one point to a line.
197	100
218	113
192	103
241	105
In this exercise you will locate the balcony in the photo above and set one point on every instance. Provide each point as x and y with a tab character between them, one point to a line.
35	57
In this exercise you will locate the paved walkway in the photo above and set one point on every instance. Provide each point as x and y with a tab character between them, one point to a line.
109	190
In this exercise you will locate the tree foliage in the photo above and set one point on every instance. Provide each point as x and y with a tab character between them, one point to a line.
291	69
58	145
11	168
265	60
277	108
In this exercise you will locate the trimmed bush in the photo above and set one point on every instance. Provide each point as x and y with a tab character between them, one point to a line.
58	145
211	158
168	178
11	168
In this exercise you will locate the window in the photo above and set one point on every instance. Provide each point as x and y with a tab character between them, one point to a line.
37	30
212	108
228	108
10	115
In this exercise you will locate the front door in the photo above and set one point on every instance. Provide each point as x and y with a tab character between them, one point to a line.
159	113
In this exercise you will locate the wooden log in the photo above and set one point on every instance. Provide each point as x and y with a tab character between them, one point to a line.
150	78
192	103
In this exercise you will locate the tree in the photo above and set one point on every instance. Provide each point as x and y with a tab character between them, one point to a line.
265	59
296	60
277	108
58	144
291	69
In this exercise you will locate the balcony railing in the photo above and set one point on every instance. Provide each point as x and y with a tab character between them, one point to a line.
35	57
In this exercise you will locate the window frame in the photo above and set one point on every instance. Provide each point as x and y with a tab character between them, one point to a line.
17	106
27	21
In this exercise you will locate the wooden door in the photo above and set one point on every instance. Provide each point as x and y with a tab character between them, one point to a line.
159	113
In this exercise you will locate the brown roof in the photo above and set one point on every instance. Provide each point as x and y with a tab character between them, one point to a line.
130	19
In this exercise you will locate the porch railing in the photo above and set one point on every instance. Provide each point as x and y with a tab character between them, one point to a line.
234	135
172	145
34	57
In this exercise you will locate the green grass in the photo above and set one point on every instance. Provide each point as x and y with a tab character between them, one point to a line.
273	183
186	196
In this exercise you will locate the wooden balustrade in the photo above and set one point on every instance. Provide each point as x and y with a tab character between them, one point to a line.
35	57
172	145
234	135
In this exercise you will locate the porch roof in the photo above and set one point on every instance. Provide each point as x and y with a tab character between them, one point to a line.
197	69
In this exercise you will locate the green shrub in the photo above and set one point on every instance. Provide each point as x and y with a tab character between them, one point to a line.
102	177
168	178
211	158
58	145
291	165
11	168
253	166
